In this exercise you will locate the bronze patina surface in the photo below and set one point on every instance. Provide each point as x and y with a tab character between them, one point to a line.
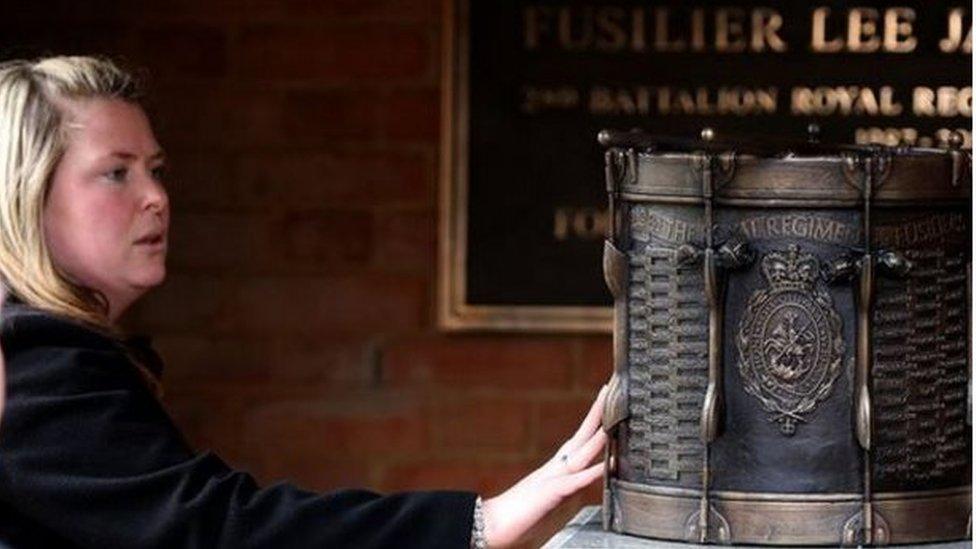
790	342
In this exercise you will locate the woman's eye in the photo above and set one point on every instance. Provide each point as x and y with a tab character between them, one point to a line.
117	175
159	173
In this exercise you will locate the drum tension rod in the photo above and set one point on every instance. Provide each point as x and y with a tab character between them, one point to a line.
715	171
867	173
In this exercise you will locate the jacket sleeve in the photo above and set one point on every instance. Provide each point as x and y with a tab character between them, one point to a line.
88	453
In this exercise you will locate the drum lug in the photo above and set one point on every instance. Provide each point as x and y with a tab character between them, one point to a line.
614	270
611	507
718	528
960	159
621	168
874	167
615	409
615	274
854	534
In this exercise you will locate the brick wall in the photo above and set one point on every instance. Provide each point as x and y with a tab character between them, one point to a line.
298	319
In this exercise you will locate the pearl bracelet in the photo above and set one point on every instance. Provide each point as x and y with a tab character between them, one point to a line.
478	540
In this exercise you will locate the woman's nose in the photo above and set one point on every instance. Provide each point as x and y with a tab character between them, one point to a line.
155	196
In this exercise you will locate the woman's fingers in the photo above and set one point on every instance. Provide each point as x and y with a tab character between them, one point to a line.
586	453
582	479
590	423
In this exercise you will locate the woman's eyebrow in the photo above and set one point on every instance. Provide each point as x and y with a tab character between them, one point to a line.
125	155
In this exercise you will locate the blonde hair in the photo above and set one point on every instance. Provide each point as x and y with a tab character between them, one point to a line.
33	95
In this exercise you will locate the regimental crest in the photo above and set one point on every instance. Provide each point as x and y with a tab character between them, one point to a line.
790	342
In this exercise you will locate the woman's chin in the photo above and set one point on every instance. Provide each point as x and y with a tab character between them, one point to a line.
148	279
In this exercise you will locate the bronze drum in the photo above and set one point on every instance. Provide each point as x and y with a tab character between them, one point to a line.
791	342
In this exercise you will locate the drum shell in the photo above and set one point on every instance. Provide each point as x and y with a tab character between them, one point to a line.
811	482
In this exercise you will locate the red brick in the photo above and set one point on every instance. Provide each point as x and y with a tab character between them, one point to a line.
558	420
328	305
201	359
322	239
487	478
597	361
221	117
406	241
512	363
219	242
351	425
208	425
185	305
312	472
395	10
411	115
58	11
335	179
321	117
179	10
330	361
182	50
361	52
310	241
201	181
482	424
37	38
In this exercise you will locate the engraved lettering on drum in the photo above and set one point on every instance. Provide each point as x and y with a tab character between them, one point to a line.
920	372
810	227
648	225
790	342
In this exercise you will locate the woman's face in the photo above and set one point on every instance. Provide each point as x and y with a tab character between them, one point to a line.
106	216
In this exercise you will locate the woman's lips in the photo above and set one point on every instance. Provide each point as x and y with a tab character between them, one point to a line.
153	240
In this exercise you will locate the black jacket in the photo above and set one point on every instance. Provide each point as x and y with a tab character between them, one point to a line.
88	458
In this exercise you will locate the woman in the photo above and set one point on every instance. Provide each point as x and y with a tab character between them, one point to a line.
88	458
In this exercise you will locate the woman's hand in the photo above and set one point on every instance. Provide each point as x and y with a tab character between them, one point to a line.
511	514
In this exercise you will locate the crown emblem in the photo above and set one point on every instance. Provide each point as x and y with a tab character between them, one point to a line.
791	346
791	269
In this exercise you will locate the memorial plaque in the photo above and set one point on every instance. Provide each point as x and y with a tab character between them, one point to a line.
528	85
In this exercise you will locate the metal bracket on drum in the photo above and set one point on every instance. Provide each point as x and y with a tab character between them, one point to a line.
715	171
961	160
866	173
854	533
621	169
718	527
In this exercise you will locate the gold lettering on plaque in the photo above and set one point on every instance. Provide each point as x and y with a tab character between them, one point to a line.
818	37
614	29
898	30
645	100
944	101
765	24
729	30
956	40
610	33
865	32
575	37
662	38
698	30
845	101
579	224
535	24
862	30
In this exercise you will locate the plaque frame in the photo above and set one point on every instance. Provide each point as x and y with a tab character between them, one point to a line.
454	313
